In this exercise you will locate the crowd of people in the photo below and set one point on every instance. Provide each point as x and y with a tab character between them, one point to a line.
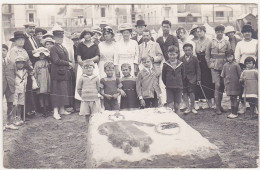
40	75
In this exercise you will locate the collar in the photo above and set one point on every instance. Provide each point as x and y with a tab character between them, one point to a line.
149	69
90	77
179	63
222	40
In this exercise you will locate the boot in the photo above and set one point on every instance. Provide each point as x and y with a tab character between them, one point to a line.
218	105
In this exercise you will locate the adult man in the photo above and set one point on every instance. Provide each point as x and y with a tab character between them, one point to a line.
215	57
167	39
31	42
140	26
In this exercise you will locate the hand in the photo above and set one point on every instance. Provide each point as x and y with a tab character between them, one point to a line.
80	63
114	96
123	94
70	65
142	102
34	51
107	96
198	82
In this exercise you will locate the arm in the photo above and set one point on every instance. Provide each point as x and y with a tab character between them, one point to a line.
238	70
79	87
96	58
55	58
158	53
164	74
198	72
208	53
238	52
223	72
139	85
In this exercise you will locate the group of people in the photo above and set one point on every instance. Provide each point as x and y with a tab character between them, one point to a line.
134	72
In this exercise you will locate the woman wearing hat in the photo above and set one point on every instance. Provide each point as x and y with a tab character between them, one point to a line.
86	50
230	32
107	50
39	32
182	39
97	34
127	50
193	31
248	47
48	42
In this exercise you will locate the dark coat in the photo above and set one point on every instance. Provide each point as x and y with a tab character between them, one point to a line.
141	40
173	78
171	40
29	48
8	76
60	63
192	69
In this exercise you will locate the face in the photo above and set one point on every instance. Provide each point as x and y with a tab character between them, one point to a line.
146	36
19	42
48	45
30	30
140	29
250	65
172	56
20	65
230	34
195	34
134	33
108	36
39	35
58	40
126	71
110	71
75	41
181	34
96	36
87	37
230	58
188	51
42	56
147	63
219	34
88	70
4	52
200	33
247	35
126	34
166	28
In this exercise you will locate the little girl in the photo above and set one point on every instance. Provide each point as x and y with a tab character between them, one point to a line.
88	89
129	98
249	78
20	88
43	79
231	73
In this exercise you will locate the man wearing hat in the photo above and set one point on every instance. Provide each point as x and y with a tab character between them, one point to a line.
216	58
233	40
31	42
61	85
140	26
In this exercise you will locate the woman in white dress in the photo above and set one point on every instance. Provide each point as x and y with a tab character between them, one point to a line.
127	51
107	50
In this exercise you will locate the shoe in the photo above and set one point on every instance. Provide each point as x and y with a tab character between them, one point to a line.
56	116
218	111
223	110
11	126
194	111
18	123
203	100
69	109
187	111
242	109
65	113
232	116
205	106
183	106
196	106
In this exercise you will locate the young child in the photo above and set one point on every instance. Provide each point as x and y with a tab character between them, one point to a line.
231	73
249	78
172	75
192	77
129	98
20	88
147	85
110	87
42	75
8	86
88	89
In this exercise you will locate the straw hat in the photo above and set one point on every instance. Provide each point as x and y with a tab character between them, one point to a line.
229	29
40	50
96	29
40	30
125	26
29	24
48	39
193	28
20	58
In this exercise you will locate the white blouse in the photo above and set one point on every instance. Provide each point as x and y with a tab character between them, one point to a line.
245	49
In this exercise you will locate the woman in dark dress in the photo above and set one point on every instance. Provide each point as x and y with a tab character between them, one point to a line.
206	78
86	50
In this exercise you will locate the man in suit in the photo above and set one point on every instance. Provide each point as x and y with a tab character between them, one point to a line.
32	43
152	49
167	39
140	26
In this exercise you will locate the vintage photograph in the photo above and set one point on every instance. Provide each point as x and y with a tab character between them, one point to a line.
130	85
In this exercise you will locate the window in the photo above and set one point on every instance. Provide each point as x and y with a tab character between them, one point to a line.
30	6
124	19
9	8
103	12
181	19
31	17
219	13
167	12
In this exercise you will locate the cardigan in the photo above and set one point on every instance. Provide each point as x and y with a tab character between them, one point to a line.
88	87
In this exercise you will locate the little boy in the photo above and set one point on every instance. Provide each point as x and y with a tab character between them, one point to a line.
20	88
192	77
88	89
110	87
172	75
8	86
147	85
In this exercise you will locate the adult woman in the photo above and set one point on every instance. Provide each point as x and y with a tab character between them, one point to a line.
86	50
39	32
182	39
107	50
206	78
127	50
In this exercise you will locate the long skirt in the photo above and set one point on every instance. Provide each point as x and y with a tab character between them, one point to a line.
59	93
206	79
